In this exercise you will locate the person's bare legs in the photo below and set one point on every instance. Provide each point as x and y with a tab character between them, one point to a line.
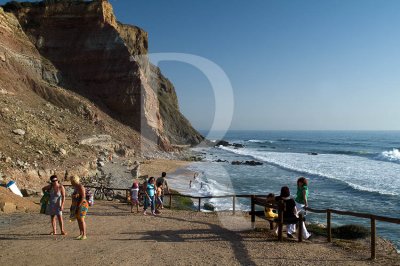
80	226
61	222
83	227
53	224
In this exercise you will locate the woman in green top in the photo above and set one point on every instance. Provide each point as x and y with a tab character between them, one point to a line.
302	193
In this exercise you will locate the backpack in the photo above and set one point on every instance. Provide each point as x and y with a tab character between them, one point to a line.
44	201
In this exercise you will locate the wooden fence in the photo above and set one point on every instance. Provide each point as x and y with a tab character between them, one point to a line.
260	200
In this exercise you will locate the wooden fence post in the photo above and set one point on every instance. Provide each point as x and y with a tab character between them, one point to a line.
253	210
199	204
280	218
373	239
300	227
328	225
234	204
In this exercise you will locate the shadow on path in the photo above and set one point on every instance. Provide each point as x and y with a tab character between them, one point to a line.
213	233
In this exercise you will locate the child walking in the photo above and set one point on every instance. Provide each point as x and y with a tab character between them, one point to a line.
149	196
158	197
134	196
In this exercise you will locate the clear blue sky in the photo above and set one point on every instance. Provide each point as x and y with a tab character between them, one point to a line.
292	64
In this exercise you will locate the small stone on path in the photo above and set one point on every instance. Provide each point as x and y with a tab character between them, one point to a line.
19	131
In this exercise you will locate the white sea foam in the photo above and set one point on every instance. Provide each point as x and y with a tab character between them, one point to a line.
255	140
204	185
358	172
393	155
260	141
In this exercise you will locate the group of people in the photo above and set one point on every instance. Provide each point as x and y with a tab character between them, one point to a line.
55	205
293	206
153	193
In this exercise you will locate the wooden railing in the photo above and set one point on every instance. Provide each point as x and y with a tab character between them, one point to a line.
373	219
199	198
260	200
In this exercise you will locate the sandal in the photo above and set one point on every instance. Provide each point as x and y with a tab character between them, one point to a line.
63	233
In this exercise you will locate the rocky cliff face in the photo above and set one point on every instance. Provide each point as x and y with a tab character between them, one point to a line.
70	75
105	61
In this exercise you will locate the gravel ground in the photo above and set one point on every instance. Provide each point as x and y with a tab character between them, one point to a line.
116	236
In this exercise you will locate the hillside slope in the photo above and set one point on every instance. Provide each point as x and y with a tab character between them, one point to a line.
74	82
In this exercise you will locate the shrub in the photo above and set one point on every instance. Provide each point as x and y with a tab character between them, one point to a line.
350	231
209	207
180	203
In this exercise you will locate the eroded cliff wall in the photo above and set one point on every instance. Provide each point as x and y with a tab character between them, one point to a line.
105	61
75	82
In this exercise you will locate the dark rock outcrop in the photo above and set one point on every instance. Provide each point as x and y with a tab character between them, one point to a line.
228	144
237	145
222	143
252	163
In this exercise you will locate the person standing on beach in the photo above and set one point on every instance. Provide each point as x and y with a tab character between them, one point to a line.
56	203
159	201
302	194
79	206
134	190
149	197
161	181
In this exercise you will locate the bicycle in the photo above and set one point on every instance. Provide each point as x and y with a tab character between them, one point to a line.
104	192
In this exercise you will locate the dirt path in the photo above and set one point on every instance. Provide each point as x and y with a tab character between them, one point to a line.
118	237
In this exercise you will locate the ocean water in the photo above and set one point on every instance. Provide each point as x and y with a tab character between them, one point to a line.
347	170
